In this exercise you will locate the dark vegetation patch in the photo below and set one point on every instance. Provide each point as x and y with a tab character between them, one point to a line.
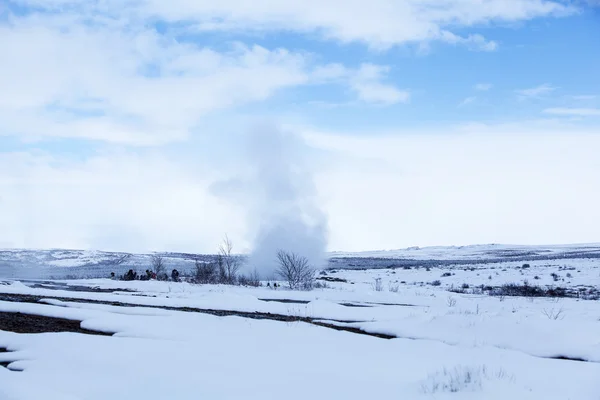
527	290
331	279
31	323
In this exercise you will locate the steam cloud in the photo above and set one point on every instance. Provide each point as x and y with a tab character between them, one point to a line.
280	199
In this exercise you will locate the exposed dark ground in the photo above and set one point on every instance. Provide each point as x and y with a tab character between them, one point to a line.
29	323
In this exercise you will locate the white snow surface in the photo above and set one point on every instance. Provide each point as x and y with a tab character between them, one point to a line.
447	345
471	252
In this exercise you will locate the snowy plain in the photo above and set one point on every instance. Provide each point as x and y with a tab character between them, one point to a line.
445	345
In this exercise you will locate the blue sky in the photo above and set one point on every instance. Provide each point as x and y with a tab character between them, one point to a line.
99	99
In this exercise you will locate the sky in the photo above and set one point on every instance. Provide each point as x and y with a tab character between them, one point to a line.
423	122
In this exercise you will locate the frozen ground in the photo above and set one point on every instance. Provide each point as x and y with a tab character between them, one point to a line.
171	340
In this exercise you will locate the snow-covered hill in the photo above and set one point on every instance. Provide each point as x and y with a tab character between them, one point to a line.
61	263
481	252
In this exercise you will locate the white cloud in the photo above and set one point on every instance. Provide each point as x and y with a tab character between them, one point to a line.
126	86
140	202
467	101
378	23
130	85
98	71
473	42
462	186
459	185
537	91
369	88
483	86
579	112
367	82
465	185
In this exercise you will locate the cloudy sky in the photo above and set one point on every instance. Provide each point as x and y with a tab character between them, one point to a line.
426	122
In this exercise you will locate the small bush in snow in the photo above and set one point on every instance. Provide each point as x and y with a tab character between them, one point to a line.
460	379
205	272
456	289
451	301
321	285
377	285
252	279
446	274
554	314
436	283
295	270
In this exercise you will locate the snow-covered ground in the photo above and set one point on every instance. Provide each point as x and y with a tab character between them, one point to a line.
446	345
478	252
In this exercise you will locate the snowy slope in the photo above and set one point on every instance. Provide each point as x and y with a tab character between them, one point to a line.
481	252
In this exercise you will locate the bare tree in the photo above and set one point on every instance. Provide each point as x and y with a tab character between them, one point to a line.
229	264
159	266
295	270
120	259
220	269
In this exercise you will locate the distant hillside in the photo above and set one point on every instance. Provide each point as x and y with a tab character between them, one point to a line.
61	263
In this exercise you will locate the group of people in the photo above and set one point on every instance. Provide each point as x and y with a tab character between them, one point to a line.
132	275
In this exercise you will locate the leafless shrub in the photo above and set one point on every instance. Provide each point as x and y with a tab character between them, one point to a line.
462	378
159	267
451	301
377	285
393	287
321	285
205	272
252	279
295	270
553	313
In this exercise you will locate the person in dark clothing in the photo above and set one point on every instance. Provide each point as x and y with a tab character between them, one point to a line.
175	275
131	275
